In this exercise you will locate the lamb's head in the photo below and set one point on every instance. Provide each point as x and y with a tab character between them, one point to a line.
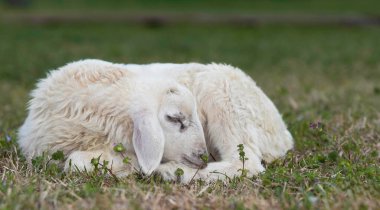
184	137
170	130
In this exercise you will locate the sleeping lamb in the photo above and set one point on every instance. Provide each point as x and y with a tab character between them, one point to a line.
88	105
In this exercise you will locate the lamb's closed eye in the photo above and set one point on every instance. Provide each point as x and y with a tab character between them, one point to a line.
177	119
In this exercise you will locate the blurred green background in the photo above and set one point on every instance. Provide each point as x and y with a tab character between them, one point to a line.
287	59
302	6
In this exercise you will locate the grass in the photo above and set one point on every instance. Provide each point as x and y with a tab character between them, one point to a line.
313	74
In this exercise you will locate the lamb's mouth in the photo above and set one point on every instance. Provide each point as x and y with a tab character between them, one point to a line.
193	162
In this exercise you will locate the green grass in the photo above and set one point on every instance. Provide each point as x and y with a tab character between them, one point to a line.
313	74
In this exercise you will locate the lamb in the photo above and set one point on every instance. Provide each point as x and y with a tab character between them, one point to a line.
233	111
230	108
86	107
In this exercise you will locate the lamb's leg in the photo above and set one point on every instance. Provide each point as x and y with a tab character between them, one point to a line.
81	160
212	172
229	167
168	172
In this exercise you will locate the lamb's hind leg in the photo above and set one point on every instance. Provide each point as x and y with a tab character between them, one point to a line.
81	160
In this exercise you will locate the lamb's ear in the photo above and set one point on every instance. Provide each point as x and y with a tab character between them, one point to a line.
148	141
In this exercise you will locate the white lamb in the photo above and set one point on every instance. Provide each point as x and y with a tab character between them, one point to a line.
233	111
86	107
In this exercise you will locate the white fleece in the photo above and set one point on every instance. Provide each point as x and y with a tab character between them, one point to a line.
230	107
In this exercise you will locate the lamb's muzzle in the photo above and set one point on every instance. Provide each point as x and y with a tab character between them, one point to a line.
195	159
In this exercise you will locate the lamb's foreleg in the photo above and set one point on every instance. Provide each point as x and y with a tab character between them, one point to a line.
222	170
81	160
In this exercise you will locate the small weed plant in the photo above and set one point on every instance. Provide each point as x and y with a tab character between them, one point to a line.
242	158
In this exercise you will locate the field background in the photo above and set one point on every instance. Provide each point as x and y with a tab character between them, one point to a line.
327	73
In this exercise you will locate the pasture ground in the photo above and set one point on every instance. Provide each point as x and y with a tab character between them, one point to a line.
329	75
